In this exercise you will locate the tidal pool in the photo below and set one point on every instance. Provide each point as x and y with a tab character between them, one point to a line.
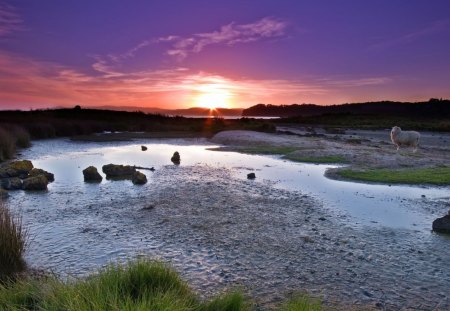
365	204
290	229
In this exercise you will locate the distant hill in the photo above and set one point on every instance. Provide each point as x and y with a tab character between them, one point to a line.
431	108
194	111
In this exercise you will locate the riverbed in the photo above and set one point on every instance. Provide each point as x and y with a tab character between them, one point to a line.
291	229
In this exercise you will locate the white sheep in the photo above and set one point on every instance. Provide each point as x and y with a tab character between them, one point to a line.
405	138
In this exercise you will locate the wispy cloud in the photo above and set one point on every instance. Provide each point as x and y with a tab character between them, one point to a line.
435	27
10	21
35	83
227	35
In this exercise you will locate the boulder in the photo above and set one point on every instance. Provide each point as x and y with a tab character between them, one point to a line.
139	178
91	174
16	169
39	182
442	224
13	183
143	148
251	176
37	171
175	158
113	170
3	194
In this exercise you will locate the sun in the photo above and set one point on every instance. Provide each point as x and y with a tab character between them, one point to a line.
212	96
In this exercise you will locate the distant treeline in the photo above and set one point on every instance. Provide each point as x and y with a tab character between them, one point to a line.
432	108
76	121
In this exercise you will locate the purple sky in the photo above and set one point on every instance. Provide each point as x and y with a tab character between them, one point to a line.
233	53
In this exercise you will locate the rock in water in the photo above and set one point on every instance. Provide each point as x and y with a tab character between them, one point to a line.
113	170
91	174
251	176
37	171
143	148
16	169
3	194
139	178
35	183
176	158
13	183
442	224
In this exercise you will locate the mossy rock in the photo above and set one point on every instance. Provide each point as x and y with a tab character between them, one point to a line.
37	172
91	174
139	178
3	194
22	167
35	183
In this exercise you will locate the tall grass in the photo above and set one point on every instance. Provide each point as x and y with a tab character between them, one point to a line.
12	136
13	237
7	145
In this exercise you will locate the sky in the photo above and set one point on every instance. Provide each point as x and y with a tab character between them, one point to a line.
234	53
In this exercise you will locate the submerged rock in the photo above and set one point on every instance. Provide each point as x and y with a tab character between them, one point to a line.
176	158
442	224
14	183
91	174
143	148
39	182
251	176
139	178
37	172
113	170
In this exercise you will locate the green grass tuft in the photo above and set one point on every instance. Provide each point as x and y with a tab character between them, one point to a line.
319	159
302	303
434	176
139	285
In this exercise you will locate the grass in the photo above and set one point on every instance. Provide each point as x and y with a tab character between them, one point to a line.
302	303
138	285
319	159
13	238
434	176
7	145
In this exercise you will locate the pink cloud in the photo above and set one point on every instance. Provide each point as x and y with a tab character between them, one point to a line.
228	35
10	21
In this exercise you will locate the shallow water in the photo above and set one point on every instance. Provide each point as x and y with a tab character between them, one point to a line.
365	204
220	229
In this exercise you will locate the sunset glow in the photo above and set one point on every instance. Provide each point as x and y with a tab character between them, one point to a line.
213	96
281	53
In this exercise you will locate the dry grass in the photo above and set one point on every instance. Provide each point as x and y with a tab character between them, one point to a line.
7	145
13	238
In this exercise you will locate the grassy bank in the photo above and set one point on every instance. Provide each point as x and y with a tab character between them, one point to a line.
317	160
433	176
139	285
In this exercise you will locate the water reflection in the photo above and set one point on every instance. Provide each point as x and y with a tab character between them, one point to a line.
374	205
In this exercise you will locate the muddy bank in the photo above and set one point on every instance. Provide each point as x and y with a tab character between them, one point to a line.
221	232
360	149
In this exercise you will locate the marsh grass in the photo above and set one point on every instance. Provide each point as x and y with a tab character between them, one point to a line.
13	238
434	176
7	145
138	285
318	159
